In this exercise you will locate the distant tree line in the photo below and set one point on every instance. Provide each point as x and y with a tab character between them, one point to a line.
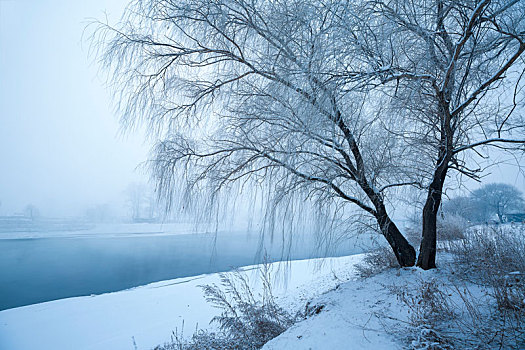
490	202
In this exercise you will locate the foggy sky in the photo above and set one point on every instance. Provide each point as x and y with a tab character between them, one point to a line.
59	144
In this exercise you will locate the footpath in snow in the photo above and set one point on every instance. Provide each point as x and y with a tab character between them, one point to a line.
146	316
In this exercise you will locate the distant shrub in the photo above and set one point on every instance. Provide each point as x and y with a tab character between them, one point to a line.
451	227
413	233
248	320
376	262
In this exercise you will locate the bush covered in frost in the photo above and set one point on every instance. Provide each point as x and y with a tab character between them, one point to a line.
248	319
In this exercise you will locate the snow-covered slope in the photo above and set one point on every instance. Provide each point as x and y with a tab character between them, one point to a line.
144	317
357	315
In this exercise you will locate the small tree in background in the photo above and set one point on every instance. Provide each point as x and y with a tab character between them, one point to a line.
142	203
31	211
466	207
499	199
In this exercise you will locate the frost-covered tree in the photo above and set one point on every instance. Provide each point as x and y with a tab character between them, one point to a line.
243	91
31	212
344	102
468	208
499	199
141	202
454	70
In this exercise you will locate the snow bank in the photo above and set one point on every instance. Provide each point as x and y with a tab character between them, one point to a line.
359	314
145	316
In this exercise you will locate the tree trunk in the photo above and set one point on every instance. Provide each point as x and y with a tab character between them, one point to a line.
404	252
427	250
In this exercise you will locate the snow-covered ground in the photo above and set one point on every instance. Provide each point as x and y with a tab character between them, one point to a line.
359	314
462	304
144	317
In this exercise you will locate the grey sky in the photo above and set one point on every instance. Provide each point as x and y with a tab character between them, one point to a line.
59	148
58	137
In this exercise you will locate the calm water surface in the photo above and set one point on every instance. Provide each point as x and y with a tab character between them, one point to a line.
39	269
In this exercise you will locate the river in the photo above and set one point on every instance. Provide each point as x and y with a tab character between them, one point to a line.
41	266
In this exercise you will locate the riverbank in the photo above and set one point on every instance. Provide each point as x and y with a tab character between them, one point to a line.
146	316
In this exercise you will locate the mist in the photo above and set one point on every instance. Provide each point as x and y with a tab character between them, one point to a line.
268	174
60	144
